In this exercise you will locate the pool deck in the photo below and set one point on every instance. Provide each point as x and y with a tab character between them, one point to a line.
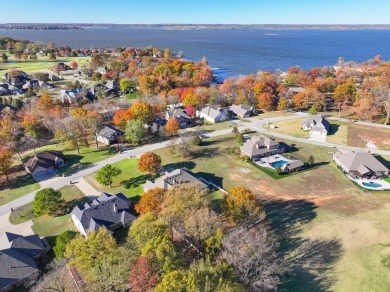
384	184
267	161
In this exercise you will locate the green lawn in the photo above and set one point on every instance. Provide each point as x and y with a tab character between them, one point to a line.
274	114
41	64
134	95
20	186
387	179
338	133
129	182
51	226
209	127
290	127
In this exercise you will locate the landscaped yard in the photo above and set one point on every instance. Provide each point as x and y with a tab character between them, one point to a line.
338	133
289	127
274	114
21	184
51	226
129	182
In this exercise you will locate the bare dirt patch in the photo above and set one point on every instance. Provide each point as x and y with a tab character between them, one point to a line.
360	136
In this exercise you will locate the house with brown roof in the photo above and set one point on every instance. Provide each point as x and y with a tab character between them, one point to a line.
261	146
359	164
45	162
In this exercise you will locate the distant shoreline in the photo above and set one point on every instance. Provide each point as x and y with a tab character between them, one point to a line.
72	26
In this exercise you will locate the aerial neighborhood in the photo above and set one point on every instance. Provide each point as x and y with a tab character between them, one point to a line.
138	166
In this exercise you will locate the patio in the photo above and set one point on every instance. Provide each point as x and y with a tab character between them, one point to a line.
371	184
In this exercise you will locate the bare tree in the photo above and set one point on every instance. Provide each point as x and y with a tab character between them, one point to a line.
54	279
253	255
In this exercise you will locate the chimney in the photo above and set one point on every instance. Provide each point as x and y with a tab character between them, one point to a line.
115	208
257	146
174	181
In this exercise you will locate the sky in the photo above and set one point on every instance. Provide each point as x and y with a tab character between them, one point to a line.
198	11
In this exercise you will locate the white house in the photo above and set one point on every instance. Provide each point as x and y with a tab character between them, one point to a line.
213	114
316	124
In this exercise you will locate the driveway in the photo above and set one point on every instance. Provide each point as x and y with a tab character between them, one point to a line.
6	226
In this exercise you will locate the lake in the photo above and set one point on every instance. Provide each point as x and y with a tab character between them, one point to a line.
233	51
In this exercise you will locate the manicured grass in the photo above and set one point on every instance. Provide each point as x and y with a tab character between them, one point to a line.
20	186
338	133
272	174
87	157
274	114
134	95
290	127
387	179
209	127
130	175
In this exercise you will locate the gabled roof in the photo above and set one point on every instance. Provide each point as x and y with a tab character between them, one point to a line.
174	178
316	123
295	89
211	110
45	159
361	162
104	211
179	113
30	245
240	109
110	132
15	266
7	107
259	145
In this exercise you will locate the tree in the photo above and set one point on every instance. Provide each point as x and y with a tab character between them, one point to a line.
172	126
242	206
173	281
74	64
4	57
277	170
312	111
149	162
135	131
151	201
121	117
266	101
47	201
252	253
62	241
343	95
6	160
167	54
107	173
310	160
125	84
143	275
201	224
240	138
282	104
142	111
213	245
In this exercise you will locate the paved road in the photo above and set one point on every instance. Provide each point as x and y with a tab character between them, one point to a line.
255	124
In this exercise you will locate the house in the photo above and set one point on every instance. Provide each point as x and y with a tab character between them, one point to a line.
294	165
68	96
53	77
213	114
6	108
93	91
316	124
108	211
175	178
181	115
31	84
360	164
44	162
43	84
109	135
294	90
18	256
3	89
242	110
112	84
261	146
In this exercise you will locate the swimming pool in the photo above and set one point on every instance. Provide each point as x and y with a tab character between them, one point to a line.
371	184
280	163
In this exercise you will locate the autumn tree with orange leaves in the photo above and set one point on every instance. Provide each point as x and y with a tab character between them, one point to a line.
6	160
149	162
142	111
151	202
172	126
121	117
144	274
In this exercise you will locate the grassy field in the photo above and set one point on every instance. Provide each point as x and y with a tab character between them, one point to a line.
209	127
333	234
51	226
41	64
360	135
21	184
266	115
290	127
129	182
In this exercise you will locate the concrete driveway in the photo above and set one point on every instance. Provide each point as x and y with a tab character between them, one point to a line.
22	229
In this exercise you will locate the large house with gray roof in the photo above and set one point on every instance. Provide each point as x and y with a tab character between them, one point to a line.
175	178
316	124
109	134
107	211
213	114
360	164
18	255
261	146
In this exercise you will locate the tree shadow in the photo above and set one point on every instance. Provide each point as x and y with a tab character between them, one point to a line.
135	182
210	177
68	206
183	164
383	161
333	129
309	263
206	153
289	147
